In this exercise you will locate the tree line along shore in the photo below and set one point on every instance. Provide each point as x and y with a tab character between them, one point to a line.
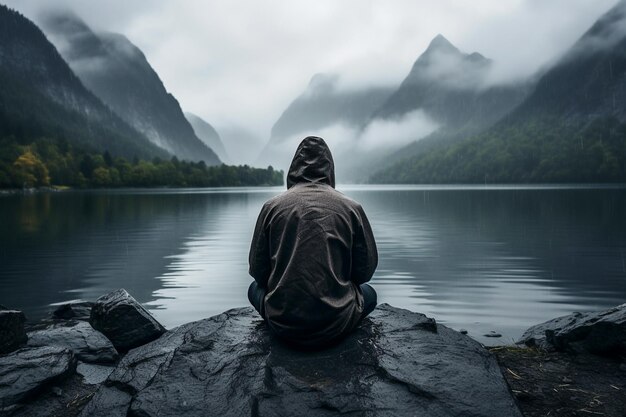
48	162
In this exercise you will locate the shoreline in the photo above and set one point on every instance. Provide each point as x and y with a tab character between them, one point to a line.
103	341
342	186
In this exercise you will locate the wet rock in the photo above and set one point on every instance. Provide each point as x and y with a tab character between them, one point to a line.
535	336
12	333
88	344
396	363
463	331
601	333
76	310
124	321
492	334
27	371
93	374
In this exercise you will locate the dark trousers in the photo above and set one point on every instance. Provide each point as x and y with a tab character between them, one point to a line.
256	295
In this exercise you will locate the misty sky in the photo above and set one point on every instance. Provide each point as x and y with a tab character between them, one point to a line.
242	62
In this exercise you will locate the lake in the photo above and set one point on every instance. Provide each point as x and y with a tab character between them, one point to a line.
479	258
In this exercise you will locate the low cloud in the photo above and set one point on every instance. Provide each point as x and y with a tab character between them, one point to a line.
349	145
455	70
389	133
242	145
604	35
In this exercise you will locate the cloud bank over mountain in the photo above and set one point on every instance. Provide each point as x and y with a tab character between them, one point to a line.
242	62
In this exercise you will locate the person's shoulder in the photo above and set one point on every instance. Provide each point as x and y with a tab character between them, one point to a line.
274	200
353	204
279	200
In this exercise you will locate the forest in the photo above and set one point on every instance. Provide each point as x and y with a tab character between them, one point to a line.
53	162
546	150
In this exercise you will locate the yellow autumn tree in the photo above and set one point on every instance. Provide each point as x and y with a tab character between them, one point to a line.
29	171
101	177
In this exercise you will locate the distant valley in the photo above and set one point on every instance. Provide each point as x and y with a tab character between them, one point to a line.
75	101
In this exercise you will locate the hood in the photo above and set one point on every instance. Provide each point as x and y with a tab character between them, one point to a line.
312	163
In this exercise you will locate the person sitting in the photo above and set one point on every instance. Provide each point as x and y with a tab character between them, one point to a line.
311	255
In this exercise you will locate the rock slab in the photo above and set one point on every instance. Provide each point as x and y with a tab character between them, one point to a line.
12	333
88	344
396	363
25	372
124	321
602	333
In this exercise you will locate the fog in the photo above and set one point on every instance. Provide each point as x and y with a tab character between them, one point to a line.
457	71
242	62
605	35
396	133
349	144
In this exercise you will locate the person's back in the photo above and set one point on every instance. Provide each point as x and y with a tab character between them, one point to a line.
312	249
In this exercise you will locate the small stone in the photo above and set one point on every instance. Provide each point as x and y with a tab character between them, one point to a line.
463	331
124	321
12	333
77	310
57	391
492	334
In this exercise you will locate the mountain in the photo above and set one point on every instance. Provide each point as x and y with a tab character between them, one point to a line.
325	108
118	73
590	80
40	96
452	88
208	135
446	97
324	104
571	128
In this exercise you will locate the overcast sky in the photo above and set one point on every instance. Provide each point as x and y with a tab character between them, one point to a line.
243	61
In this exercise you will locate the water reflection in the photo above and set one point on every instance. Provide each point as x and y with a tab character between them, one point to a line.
481	259
500	259
210	270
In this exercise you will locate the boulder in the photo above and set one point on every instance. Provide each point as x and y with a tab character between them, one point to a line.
396	363
124	321
601	333
12	333
74	310
25	372
88	344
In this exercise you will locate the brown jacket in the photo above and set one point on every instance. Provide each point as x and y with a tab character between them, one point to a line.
312	248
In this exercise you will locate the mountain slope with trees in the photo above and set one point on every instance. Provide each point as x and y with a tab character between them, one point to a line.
452	88
41	96
119	74
53	131
572	128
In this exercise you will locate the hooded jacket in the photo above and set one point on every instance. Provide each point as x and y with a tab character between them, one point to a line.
312	248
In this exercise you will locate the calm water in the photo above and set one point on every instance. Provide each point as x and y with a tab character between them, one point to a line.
476	258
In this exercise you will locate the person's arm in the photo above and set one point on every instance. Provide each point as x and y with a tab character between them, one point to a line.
364	252
259	257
